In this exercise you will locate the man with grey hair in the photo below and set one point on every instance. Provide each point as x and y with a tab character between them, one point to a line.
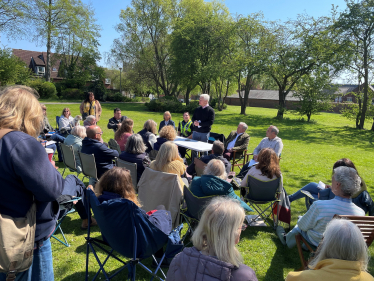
345	182
236	141
202	120
271	141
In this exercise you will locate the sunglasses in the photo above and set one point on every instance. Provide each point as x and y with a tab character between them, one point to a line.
66	110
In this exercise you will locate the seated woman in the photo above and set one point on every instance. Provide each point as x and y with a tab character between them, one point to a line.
148	134
343	255
168	161
75	140
167	133
267	168
361	198
66	122
167	121
117	183
213	182
124	132
214	255
135	153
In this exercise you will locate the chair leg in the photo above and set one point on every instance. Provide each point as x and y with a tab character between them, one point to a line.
300	251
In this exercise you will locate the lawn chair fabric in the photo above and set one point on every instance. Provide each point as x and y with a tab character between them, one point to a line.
159	188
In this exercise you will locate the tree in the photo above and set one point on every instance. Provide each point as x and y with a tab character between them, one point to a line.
315	93
49	19
12	69
12	16
356	24
254	44
301	47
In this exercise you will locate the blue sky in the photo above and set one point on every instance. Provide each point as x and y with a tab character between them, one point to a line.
107	15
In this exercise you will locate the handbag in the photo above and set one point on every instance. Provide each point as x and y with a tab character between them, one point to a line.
17	238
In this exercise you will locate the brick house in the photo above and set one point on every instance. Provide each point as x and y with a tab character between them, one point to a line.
344	93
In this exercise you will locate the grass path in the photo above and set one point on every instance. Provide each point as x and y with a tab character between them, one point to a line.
310	150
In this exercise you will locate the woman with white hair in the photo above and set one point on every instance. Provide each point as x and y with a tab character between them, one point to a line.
75	140
89	121
167	121
342	255
213	182
148	134
214	255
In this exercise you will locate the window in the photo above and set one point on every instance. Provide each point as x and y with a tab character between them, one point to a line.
349	99
40	69
107	80
336	99
54	69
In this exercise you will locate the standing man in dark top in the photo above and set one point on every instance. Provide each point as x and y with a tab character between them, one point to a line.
185	130
115	122
202	119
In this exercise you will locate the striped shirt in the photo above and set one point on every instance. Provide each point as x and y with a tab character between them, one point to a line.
321	213
275	144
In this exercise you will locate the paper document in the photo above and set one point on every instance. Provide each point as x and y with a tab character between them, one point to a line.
252	222
252	162
321	185
49	143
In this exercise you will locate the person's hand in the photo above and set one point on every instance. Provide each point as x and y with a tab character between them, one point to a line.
90	187
229	150
119	125
255	157
327	186
196	123
190	137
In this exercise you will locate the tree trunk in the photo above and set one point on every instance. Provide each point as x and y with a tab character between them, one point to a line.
372	126
49	43
309	115
247	89
187	96
281	103
366	79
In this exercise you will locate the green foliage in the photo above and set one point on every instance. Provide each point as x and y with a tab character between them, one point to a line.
46	90
116	96
170	104
98	88
72	94
12	69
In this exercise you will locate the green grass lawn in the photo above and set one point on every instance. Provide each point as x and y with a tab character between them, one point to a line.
310	150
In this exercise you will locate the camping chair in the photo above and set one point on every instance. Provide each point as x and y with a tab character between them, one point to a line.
239	158
131	167
114	145
88	165
127	231
214	136
66	207
192	209
199	167
152	154
262	193
158	188
68	157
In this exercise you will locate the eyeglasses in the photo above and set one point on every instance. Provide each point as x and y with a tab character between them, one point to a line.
99	133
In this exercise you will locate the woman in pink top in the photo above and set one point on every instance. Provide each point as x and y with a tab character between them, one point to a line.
124	132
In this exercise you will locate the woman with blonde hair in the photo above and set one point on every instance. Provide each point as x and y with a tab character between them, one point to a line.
148	134
66	121
167	121
342	255
169	161
167	133
75	140
214	255
27	176
124	132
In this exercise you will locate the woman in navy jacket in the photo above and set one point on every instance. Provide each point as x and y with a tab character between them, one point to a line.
167	121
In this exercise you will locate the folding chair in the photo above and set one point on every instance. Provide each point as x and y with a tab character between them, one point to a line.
152	154
128	232
88	165
239	158
199	167
66	207
214	136
262	193
132	168
114	145
68	157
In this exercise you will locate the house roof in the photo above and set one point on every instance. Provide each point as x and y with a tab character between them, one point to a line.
348	88
40	59
265	95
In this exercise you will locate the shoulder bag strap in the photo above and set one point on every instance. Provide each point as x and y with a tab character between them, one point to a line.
3	132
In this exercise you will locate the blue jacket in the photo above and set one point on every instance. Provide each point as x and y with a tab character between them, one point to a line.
162	124
26	173
208	185
103	155
160	141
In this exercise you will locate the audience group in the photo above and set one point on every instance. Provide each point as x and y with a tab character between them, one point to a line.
27	178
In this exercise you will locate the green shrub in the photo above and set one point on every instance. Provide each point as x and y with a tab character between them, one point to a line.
140	99
59	88
46	90
70	94
116	97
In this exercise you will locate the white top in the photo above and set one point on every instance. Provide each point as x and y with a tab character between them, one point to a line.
256	173
193	144
65	123
232	143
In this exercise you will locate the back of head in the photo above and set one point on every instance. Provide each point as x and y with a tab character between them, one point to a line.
79	131
274	129
348	178
342	240
20	110
151	126
219	229
168	152
168	132
135	144
126	127
90	120
218	147
117	180
216	168
268	163
91	131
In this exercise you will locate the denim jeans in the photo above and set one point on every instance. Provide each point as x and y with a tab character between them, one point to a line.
41	268
58	138
290	237
311	187
204	137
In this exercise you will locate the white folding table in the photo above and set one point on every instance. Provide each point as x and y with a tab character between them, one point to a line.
195	145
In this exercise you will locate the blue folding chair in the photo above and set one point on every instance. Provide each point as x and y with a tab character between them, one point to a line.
125	229
57	123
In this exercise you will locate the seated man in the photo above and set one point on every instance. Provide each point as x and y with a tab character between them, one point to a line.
185	130
103	155
345	182
271	140
116	120
217	151
236	141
